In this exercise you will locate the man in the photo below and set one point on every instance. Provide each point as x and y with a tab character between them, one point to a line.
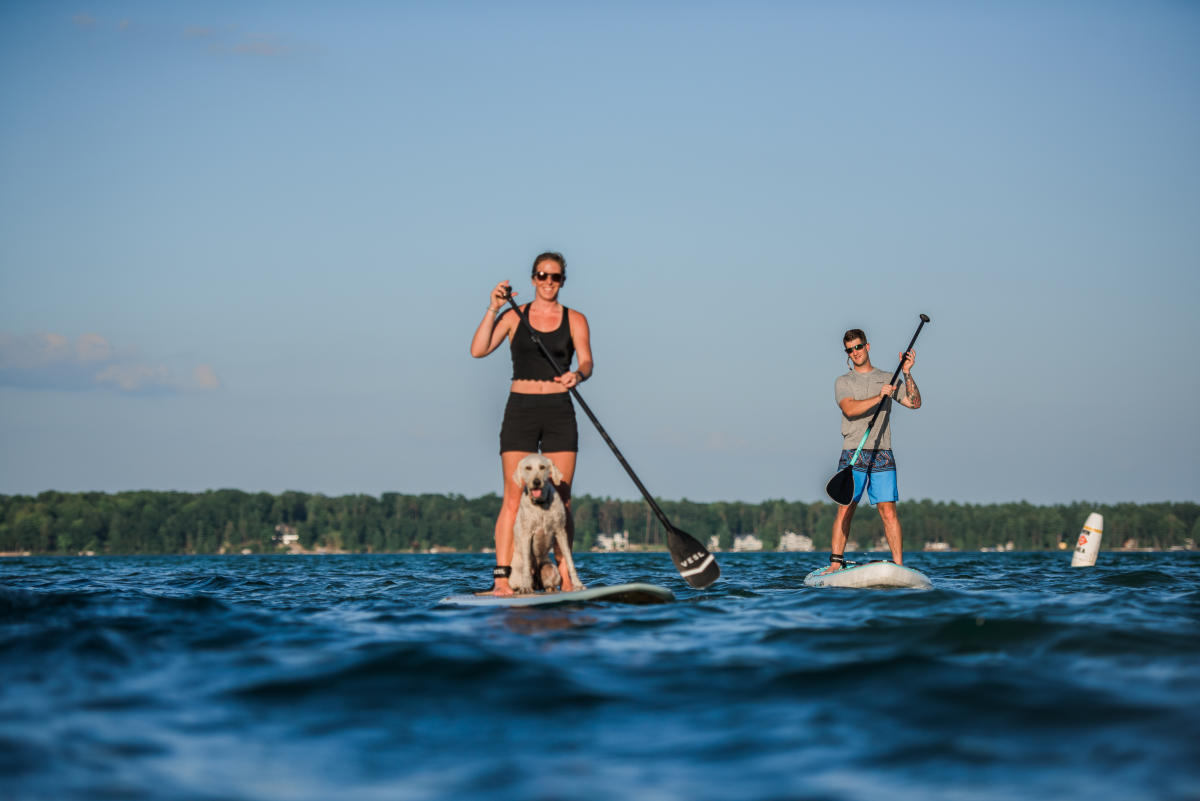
858	392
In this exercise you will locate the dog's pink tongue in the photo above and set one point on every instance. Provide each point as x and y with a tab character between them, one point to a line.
536	493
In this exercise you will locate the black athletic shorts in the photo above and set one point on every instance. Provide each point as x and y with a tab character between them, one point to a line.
531	421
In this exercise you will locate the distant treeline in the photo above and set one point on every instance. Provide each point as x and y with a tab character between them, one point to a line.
230	521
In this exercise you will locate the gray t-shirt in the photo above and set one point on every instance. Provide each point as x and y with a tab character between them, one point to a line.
860	386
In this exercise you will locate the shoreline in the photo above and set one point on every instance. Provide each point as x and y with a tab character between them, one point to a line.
446	552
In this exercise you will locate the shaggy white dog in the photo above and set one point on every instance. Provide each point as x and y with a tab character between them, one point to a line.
541	523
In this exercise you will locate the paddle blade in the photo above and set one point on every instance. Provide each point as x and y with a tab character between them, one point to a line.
841	487
692	560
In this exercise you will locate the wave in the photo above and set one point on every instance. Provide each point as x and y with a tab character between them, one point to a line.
312	679
1139	578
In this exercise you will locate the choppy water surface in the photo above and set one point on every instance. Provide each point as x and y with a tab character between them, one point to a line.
338	678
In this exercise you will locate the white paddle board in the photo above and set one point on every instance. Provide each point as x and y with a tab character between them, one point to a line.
870	574
636	593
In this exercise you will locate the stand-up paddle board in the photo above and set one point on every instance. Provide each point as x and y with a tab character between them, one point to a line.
870	574
636	593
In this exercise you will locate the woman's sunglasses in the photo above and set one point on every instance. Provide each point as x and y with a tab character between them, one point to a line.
555	277
853	348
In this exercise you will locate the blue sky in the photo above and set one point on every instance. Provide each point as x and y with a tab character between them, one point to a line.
246	244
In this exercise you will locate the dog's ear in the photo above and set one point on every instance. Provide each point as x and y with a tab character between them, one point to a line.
517	474
555	473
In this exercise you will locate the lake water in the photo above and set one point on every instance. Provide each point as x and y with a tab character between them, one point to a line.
337	677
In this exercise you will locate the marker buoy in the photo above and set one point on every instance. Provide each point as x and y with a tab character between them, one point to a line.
1089	541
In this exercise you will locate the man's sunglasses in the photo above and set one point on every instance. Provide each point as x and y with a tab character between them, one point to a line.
853	348
555	277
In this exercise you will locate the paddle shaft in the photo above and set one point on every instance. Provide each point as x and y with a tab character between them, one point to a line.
895	375
662	517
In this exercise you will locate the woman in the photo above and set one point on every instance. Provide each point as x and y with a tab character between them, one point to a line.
539	414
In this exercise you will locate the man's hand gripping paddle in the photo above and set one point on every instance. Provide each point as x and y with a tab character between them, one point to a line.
841	487
692	560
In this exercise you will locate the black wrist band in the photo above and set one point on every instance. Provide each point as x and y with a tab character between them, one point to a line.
501	571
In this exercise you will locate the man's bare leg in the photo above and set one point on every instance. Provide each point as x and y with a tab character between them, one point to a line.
891	530
841	533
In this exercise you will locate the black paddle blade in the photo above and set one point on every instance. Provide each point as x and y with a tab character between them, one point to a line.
694	562
841	487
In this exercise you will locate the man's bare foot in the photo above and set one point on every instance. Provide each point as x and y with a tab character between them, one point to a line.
836	563
501	587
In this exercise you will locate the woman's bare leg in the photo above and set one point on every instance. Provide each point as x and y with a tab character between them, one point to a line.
565	462
507	517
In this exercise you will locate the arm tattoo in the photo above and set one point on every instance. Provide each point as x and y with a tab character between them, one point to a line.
914	394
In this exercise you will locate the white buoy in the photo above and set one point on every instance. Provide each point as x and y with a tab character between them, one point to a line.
1089	541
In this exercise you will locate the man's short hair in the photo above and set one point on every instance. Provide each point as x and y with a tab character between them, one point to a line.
854	333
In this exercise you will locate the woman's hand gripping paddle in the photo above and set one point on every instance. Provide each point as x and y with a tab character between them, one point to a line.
692	560
841	487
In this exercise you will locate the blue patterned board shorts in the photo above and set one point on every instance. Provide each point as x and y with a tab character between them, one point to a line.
875	471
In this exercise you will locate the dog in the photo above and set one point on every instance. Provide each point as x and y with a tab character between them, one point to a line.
541	523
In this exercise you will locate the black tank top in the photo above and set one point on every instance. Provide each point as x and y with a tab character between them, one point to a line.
529	363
